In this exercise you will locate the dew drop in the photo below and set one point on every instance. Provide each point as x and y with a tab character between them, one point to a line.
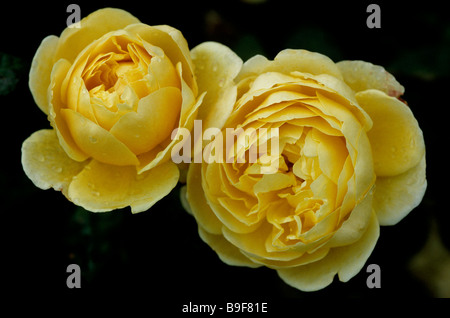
140	176
214	68
57	169
92	139
41	158
393	152
93	188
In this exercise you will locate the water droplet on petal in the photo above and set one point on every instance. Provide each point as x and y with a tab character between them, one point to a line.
96	193
92	139
393	152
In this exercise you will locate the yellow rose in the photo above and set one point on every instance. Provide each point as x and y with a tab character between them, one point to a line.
113	91
351	158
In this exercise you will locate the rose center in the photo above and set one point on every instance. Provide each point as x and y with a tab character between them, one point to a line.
118	77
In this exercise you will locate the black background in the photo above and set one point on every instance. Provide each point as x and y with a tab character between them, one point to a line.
158	253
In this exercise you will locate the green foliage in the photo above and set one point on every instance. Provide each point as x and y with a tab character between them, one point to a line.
10	69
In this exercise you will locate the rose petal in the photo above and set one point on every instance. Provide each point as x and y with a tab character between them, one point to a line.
336	106
41	68
101	187
274	181
163	72
355	226
96	141
261	247
345	261
290	60
396	138
46	163
56	104
332	153
360	76
396	196
73	40
357	142
233	217
337	85
152	123
216	68
195	196
188	113
270	80
174	45
226	251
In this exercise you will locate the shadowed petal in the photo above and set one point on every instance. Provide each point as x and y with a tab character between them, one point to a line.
396	196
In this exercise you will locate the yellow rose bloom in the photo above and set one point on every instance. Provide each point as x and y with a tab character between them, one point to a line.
351	158
113	91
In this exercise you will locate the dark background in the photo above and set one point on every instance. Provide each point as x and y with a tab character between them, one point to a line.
158	253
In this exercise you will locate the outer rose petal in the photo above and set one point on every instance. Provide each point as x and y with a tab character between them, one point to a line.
198	205
226	251
101	187
396	196
396	138
216	68
346	261
288	61
45	162
360	75
73	40
41	68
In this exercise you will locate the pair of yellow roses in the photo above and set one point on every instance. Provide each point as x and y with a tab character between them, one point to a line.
351	154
